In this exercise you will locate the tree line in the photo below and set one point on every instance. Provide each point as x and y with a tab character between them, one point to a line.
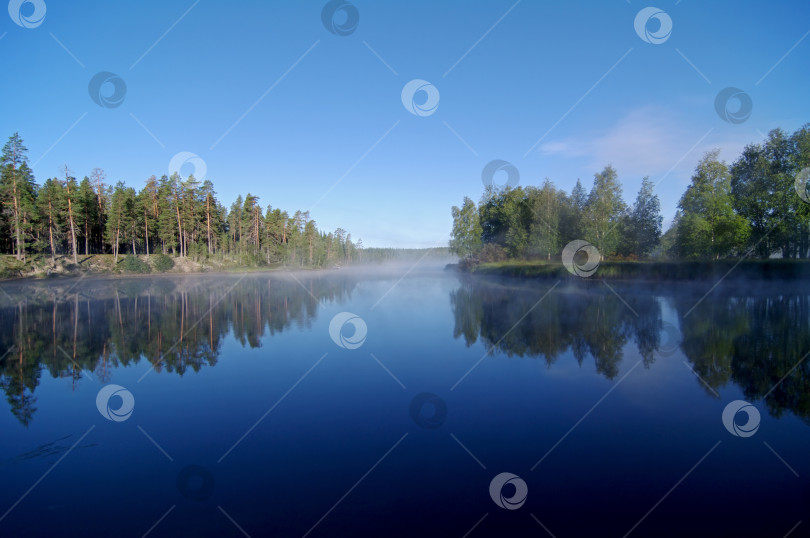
169	215
748	208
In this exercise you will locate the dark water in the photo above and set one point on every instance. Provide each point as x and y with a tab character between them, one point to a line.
605	404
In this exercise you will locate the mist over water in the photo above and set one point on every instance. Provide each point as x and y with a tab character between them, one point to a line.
268	396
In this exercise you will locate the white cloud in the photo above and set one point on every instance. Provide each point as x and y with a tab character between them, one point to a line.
648	141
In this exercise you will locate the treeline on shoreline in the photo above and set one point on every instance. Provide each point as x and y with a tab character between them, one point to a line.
660	271
756	207
168	216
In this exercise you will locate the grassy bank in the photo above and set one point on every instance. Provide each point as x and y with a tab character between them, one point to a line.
105	264
656	271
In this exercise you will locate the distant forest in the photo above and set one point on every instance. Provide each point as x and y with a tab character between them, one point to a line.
169	215
758	207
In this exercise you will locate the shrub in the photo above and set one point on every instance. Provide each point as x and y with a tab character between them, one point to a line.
162	262
492	253
133	264
466	264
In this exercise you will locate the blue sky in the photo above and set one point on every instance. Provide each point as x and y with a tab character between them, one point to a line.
275	104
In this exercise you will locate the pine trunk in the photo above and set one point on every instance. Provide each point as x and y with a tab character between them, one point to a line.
50	230
16	215
72	228
179	225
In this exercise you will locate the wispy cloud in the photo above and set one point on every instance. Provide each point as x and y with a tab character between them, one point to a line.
647	141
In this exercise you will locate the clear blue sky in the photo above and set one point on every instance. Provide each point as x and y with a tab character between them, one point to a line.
573	81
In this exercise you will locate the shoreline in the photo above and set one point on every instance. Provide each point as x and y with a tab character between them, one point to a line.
771	270
99	275
642	272
103	266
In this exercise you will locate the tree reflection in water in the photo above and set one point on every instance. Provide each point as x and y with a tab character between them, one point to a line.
176	324
752	336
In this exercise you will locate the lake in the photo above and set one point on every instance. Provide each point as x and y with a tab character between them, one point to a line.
403	402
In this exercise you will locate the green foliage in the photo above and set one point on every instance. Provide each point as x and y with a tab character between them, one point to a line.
763	192
10	267
17	195
162	262
465	239
545	206
709	227
604	212
50	206
536	223
750	208
641	232
133	264
505	217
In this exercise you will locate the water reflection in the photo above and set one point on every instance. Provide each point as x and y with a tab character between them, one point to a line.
587	321
751	337
88	328
757	342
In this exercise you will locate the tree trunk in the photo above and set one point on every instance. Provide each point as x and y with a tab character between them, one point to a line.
16	213
179	225
117	235
208	221
72	227
50	230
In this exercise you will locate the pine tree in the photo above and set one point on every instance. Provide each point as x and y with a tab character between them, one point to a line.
274	222
235	223
130	221
71	194
97	178
167	224
644	230
50	202
176	201
148	209
311	235
116	218
190	210
349	247
210	205
17	189
87	214
251	223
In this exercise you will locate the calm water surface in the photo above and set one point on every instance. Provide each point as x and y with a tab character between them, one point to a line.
234	412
